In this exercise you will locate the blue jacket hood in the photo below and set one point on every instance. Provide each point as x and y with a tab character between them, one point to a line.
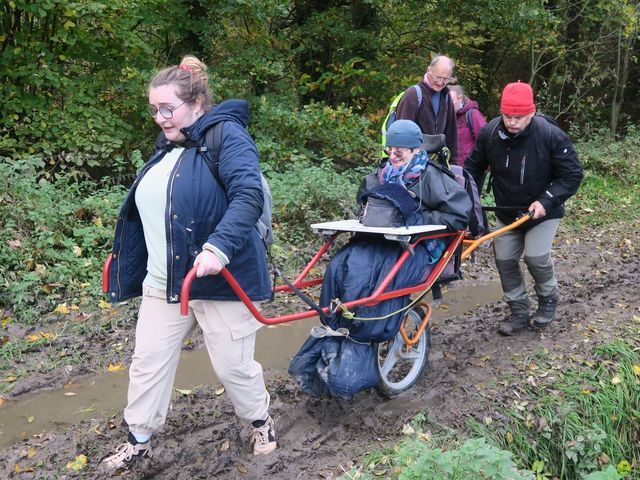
234	110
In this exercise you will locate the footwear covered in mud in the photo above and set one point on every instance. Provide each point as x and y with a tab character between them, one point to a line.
126	452
546	310
515	323
263	436
518	318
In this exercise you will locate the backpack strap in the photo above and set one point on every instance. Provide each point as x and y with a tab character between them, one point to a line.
418	93
210	150
469	121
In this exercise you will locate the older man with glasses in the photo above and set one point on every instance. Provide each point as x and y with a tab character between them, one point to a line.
435	113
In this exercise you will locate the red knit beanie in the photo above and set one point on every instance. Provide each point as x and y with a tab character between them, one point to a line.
517	99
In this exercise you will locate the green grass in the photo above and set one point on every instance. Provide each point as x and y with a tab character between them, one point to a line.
589	417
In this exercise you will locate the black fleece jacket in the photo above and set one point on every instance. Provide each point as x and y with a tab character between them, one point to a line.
538	163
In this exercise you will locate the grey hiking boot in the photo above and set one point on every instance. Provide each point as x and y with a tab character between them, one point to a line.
125	452
546	310
263	436
517	320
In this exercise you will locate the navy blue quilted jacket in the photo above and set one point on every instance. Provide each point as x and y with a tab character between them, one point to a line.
198	211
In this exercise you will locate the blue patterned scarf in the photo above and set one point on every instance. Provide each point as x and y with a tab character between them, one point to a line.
404	174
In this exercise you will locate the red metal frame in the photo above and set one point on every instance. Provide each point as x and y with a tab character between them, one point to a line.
377	296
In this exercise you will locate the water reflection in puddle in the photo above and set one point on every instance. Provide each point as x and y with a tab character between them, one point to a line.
105	394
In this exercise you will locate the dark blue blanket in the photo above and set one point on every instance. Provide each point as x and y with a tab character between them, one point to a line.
342	366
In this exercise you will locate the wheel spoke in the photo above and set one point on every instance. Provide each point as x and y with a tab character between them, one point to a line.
391	359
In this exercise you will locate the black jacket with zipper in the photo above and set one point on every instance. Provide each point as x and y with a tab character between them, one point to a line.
538	163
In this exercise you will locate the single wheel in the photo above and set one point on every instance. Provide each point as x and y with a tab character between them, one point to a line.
398	368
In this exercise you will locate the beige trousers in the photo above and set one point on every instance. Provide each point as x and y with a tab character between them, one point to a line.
229	334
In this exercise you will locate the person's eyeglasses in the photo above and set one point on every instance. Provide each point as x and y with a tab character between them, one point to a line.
442	79
165	111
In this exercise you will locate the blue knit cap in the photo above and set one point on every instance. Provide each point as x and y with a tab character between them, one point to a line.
404	133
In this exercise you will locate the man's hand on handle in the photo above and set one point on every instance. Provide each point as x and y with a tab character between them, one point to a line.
537	209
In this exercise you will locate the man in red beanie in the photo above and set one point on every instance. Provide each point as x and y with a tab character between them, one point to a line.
534	168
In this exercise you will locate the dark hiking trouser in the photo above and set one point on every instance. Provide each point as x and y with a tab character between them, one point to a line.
535	244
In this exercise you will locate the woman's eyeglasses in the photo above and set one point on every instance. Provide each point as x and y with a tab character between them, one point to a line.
165	111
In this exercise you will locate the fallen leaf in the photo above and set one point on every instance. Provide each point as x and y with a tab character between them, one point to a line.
104	305
18	469
31	452
5	322
77	251
115	367
97	221
13	244
219	391
30	419
509	438
9	379
616	380
62	308
184	391
225	446
78	463
533	366
636	370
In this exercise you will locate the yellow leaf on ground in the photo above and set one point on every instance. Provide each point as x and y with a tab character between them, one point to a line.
509	438
636	370
115	367
62	308
18	469
97	221
78	464
30	419
9	379
5	322
31	452
616	380
77	251
104	305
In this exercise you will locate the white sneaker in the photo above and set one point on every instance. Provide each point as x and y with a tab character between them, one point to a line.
263	437
125	452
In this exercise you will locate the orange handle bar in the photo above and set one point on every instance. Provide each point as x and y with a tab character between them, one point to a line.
476	243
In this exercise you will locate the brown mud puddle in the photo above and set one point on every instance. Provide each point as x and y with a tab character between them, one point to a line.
320	438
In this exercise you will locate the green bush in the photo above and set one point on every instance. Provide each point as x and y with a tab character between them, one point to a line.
305	193
313	132
605	156
416	459
54	236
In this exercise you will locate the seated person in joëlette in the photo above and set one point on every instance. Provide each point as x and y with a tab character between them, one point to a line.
441	200
425	194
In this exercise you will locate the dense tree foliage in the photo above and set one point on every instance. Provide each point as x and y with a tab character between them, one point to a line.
319	74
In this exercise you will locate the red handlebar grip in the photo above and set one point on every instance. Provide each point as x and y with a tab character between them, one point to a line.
184	291
106	268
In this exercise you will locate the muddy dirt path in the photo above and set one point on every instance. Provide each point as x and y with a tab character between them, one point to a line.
473	372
